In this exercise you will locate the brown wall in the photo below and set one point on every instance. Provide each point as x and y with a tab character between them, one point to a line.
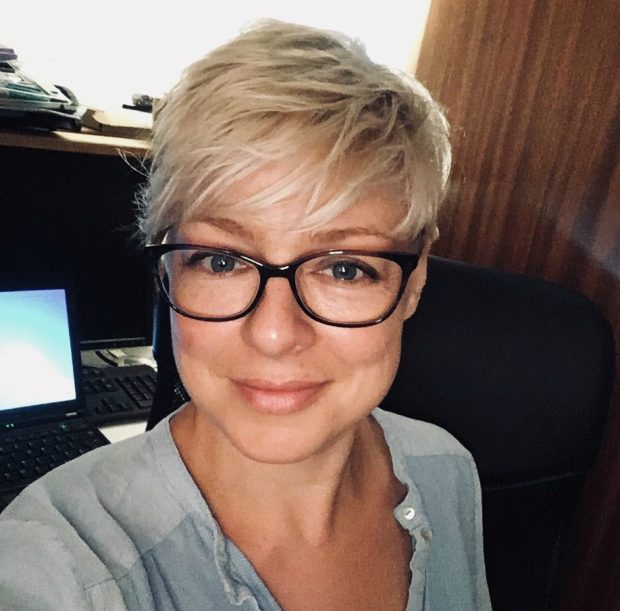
532	89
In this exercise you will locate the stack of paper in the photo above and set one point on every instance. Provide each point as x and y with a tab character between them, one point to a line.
123	123
24	101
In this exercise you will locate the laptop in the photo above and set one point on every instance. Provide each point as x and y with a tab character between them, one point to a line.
42	411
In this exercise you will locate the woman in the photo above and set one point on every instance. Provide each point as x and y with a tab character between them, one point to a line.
292	202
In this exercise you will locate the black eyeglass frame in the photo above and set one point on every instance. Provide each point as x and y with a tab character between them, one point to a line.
408	262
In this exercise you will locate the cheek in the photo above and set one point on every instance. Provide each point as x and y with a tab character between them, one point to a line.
200	348
185	338
369	357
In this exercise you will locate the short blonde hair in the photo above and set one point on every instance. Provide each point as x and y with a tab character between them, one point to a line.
282	93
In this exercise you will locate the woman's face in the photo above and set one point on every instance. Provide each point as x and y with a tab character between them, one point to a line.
275	384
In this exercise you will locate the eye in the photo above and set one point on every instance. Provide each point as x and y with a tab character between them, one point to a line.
346	271
350	271
221	263
213	263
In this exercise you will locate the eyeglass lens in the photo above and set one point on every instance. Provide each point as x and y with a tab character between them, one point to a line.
340	288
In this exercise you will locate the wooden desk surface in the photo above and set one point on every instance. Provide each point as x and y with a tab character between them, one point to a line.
86	141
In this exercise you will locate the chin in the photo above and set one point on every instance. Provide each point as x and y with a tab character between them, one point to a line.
281	443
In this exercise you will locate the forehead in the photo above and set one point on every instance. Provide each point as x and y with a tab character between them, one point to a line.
366	218
267	199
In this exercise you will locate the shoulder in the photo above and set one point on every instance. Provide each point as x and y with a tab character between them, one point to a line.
418	438
430	456
39	571
107	481
444	486
103	473
98	508
21	587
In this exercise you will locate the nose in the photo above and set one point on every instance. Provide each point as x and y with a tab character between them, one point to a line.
277	326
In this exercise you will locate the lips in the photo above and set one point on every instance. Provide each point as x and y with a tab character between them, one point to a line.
281	398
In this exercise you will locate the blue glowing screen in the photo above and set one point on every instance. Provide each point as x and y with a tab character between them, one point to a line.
35	349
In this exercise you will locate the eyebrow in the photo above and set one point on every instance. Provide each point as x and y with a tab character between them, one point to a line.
337	235
320	235
229	226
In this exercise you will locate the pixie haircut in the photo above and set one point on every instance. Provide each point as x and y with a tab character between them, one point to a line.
310	100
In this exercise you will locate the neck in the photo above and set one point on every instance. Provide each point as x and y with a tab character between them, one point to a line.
306	499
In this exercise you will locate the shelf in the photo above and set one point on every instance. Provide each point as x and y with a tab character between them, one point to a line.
74	142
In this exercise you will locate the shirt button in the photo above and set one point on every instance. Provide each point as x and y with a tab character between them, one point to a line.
408	513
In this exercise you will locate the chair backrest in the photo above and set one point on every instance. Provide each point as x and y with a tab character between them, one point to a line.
521	371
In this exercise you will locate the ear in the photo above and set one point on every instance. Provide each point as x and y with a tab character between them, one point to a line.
416	282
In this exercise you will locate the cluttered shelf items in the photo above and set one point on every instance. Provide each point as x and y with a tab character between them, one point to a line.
30	103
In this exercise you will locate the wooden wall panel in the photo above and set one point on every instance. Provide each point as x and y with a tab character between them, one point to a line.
532	90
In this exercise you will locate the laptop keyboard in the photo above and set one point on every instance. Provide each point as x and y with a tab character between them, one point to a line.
29	452
118	394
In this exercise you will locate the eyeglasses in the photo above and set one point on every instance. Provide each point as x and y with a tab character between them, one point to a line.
342	288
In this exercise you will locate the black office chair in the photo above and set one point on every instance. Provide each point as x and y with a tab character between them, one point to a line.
520	370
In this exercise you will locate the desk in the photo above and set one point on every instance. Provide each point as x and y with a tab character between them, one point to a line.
142	354
118	432
86	141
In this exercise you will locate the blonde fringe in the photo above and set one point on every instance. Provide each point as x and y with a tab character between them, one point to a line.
307	99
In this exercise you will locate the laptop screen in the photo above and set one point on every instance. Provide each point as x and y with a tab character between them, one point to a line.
36	360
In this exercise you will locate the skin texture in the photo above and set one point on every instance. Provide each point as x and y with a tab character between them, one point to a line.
280	415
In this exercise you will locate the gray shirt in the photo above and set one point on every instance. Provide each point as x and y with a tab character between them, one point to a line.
125	527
